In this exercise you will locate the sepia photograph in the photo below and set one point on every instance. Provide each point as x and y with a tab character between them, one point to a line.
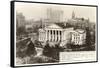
51	33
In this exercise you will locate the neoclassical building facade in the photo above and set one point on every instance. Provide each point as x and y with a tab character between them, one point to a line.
59	33
54	33
78	37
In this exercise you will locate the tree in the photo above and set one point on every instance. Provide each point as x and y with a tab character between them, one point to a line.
47	50
52	51
30	48
25	48
88	39
21	30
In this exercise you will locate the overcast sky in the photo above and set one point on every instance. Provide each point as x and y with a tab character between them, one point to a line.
37	11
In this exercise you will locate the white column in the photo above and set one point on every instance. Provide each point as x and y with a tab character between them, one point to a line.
62	35
52	35
49	35
39	36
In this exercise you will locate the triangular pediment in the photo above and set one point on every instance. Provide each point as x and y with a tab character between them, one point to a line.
53	26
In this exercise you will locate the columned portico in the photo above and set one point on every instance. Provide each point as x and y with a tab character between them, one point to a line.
54	35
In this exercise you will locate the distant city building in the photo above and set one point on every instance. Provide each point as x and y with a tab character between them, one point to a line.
81	23
29	28
54	15
20	19
73	15
78	37
29	22
34	22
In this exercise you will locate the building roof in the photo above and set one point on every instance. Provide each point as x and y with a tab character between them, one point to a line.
59	26
53	26
64	25
28	26
80	31
41	30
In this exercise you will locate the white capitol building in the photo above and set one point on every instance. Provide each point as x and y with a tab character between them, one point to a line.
59	33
